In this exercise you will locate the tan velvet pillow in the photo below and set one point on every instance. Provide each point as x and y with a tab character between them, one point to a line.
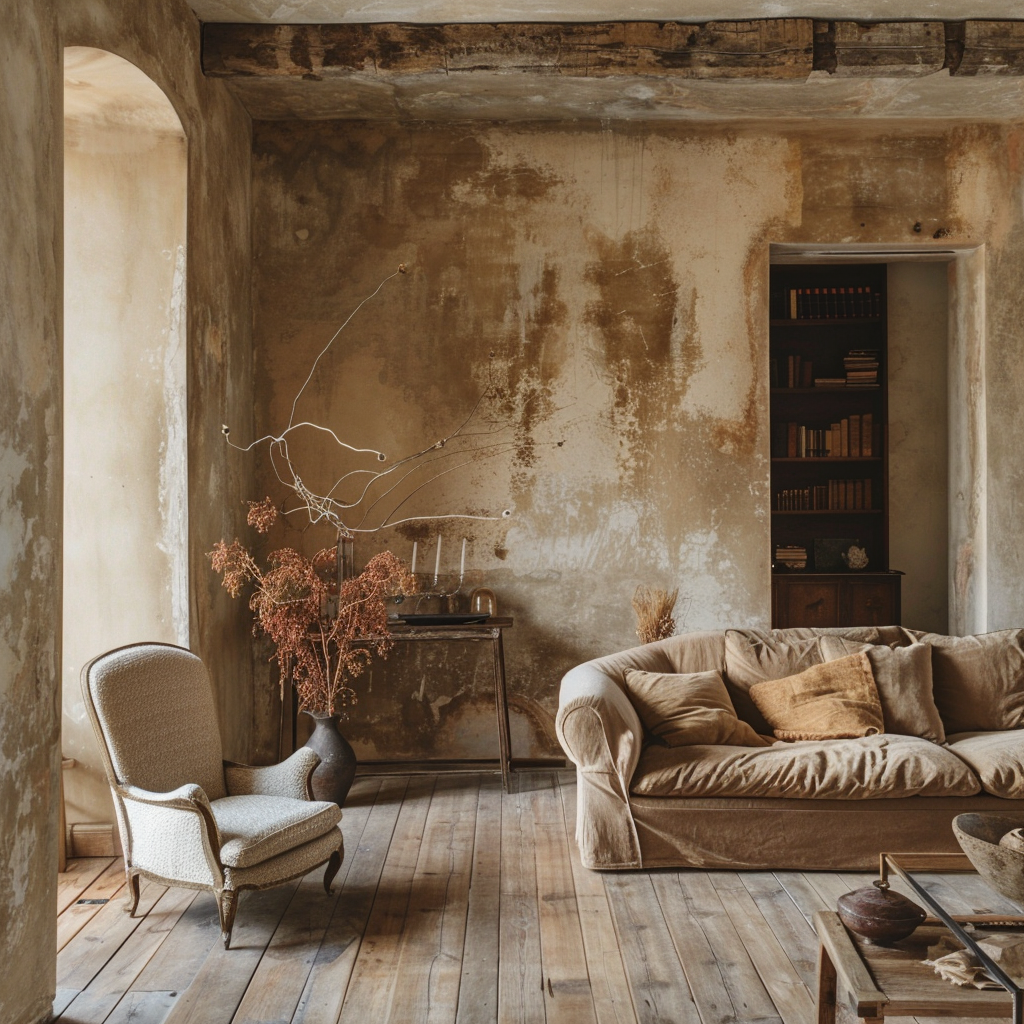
684	710
978	680
752	656
903	676
835	700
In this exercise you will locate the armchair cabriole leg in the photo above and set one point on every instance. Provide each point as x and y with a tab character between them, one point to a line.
333	867
227	904
131	903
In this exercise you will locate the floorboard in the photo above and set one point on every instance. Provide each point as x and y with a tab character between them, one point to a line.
457	903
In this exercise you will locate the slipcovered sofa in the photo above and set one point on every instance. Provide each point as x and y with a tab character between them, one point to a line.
952	742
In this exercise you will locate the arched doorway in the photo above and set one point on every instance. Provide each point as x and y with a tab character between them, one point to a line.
125	526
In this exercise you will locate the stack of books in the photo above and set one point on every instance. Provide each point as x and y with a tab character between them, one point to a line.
861	368
791	556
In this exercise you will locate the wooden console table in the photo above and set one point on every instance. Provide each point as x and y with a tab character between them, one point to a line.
491	629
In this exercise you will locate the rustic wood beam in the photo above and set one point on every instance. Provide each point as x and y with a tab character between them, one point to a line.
769	48
993	48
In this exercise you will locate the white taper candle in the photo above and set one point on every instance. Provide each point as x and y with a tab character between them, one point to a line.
437	561
462	564
414	548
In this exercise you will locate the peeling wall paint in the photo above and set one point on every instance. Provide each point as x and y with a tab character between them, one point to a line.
610	285
30	505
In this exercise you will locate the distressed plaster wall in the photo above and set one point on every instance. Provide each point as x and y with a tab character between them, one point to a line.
611	285
918	304
163	41
30	503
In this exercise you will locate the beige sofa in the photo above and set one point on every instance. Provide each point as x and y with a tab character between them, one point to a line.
815	804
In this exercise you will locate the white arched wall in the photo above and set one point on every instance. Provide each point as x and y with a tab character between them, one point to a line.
125	485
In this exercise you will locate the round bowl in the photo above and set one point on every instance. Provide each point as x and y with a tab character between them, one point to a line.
1001	866
880	915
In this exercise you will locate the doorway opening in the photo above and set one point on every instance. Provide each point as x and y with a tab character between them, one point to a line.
125	485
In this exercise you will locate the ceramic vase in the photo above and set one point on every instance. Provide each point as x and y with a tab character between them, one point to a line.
333	777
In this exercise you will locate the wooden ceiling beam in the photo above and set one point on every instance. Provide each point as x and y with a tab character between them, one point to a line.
770	48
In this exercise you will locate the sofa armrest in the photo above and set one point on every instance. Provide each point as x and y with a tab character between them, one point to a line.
600	731
289	778
172	835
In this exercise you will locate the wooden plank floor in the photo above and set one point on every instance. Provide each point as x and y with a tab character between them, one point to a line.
458	904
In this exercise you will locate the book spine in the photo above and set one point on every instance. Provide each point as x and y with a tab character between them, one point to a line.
791	438
867	493
844	444
867	429
855	436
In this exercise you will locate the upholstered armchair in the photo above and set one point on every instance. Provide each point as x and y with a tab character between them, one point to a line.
186	817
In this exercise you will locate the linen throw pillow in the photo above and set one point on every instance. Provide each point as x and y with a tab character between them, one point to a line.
834	700
978	680
752	656
684	710
903	676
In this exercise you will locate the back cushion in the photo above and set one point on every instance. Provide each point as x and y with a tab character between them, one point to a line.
903	676
751	656
158	718
978	680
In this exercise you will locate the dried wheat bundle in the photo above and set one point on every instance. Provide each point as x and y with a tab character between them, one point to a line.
653	608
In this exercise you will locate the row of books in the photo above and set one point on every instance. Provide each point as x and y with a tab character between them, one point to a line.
835	496
850	437
791	556
860	370
849	303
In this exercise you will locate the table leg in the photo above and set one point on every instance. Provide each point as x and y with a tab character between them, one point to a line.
501	708
826	988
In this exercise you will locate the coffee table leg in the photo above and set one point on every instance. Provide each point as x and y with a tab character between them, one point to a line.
826	988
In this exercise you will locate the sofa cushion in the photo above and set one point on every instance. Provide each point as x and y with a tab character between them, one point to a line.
824	702
254	828
903	676
751	656
688	708
870	767
978	680
997	758
891	636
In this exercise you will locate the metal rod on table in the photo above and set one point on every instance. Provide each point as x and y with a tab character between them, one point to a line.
997	973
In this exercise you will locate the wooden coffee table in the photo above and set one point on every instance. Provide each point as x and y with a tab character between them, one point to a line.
890	981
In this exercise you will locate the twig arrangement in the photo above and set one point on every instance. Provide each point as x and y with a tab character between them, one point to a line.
653	608
365	500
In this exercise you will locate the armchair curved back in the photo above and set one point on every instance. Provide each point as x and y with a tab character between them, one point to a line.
152	707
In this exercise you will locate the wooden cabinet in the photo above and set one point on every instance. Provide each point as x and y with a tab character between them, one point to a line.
835	599
829	446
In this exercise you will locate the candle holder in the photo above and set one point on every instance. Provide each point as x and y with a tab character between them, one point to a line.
437	592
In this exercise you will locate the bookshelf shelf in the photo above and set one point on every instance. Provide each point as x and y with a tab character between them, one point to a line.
850	488
860	321
832	512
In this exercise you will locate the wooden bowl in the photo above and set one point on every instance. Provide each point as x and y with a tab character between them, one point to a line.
1001	866
880	915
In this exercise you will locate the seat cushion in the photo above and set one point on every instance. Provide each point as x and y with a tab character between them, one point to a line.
904	679
997	758
255	828
869	767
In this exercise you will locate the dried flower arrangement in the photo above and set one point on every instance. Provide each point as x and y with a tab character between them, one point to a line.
653	608
319	652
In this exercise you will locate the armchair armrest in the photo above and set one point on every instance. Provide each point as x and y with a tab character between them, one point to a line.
172	835
289	778
600	730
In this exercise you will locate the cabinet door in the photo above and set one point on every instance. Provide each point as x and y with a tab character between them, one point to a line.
806	603
871	602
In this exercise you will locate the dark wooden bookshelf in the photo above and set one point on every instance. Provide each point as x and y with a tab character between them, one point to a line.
821	481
